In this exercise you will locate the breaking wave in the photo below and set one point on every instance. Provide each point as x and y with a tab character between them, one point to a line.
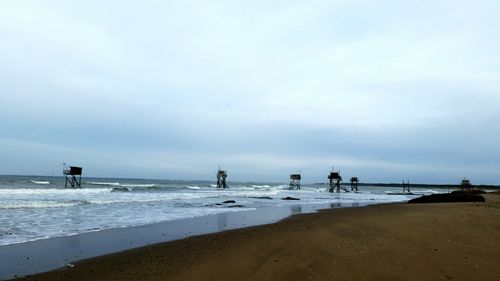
103	183
40	182
41	204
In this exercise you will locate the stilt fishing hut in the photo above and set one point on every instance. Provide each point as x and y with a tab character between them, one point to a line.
294	182
406	186
73	176
335	180
465	185
354	183
221	179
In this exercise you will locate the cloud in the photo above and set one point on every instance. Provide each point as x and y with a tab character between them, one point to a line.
382	88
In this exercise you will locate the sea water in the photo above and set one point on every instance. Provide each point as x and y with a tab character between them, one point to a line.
33	208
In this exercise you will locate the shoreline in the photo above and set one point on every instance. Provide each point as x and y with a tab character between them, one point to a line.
442	241
42	255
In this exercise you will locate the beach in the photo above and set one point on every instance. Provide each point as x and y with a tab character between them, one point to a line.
45	226
249	140
444	241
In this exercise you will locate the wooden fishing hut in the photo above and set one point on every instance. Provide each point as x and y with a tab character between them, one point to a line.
406	186
221	179
465	185
73	176
335	180
354	183
294	182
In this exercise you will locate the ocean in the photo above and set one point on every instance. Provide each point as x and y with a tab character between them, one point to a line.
34	208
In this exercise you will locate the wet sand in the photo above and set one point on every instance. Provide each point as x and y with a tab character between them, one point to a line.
447	241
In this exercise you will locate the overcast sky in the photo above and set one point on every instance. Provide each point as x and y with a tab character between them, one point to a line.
384	90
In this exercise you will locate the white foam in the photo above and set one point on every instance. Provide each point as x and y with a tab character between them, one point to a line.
103	183
38	204
98	225
139	185
48	191
260	186
40	182
429	191
62	212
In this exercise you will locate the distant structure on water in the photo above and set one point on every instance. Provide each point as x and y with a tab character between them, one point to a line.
354	183
294	182
335	180
406	186
221	178
465	185
73	176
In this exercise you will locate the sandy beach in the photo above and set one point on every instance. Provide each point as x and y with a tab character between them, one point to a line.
446	241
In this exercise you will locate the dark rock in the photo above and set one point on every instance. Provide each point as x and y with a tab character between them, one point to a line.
290	198
235	206
472	191
229	201
448	198
263	197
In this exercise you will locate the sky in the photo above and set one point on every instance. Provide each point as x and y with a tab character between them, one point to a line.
382	90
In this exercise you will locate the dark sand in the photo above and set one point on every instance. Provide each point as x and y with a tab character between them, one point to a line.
444	241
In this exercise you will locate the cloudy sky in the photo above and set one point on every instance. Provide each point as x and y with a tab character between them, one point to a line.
384	90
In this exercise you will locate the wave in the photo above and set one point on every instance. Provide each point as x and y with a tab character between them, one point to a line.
260	186
51	191
42	204
139	185
60	230
127	185
103	183
429	191
120	189
192	187
40	182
